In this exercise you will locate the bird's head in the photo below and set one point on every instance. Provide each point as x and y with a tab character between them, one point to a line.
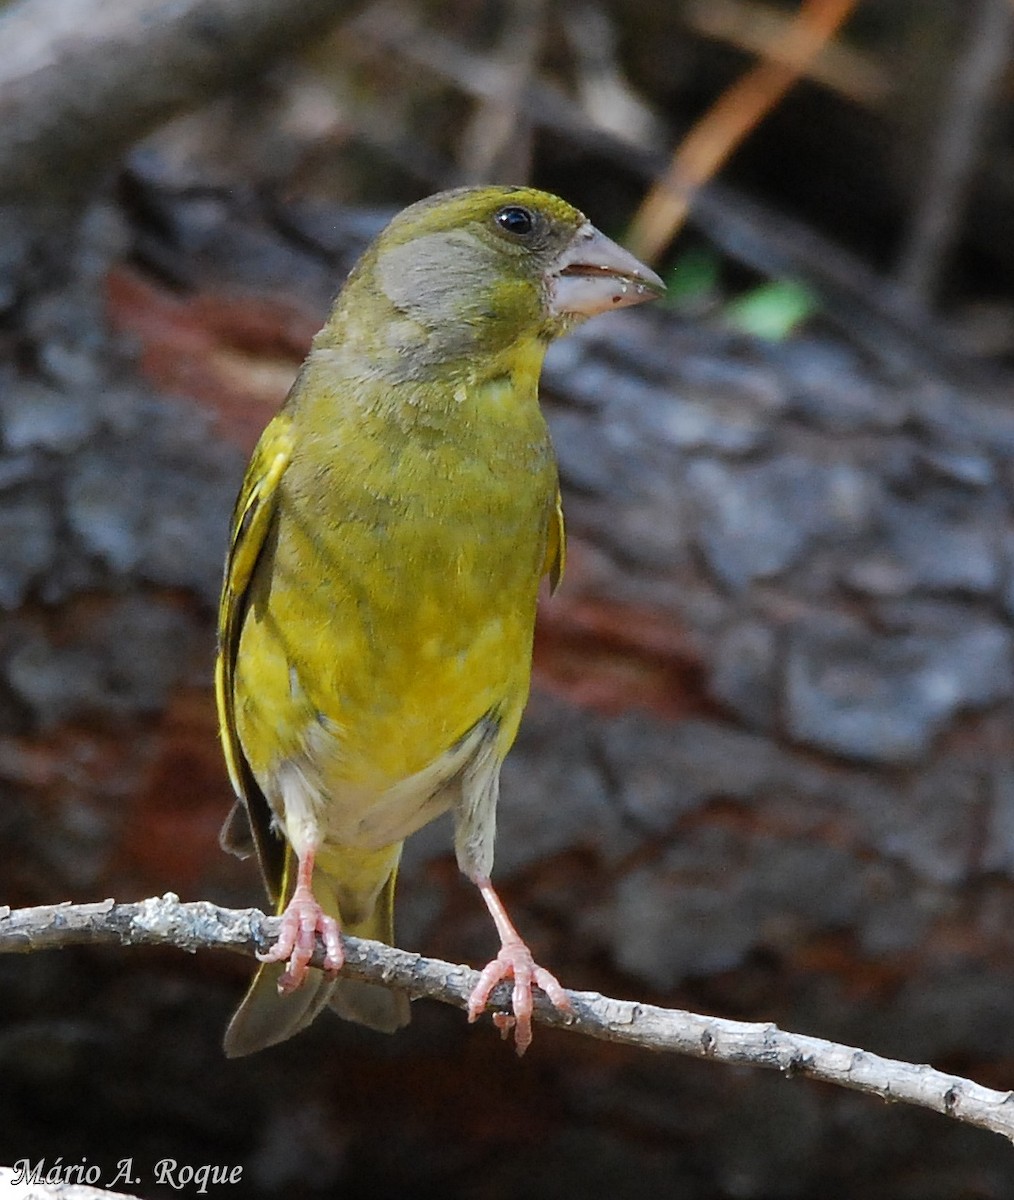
474	270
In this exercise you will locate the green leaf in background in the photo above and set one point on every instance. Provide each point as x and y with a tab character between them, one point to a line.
692	284
773	310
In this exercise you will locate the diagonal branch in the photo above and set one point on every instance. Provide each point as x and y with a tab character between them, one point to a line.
81	80
200	925
724	126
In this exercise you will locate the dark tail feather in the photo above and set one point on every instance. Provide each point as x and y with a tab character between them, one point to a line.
266	1017
370	1004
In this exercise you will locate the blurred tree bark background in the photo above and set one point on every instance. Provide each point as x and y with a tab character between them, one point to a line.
766	770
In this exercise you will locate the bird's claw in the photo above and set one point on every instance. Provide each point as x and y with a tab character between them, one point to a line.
504	1022
515	961
302	920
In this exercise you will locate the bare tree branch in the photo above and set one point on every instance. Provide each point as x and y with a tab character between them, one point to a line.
722	129
871	308
939	208
81	80
15	1187
196	926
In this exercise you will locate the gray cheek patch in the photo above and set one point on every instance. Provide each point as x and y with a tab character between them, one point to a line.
433	279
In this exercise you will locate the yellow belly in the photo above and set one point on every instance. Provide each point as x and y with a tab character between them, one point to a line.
393	608
374	695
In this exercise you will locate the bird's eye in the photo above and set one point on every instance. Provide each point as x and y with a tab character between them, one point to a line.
516	220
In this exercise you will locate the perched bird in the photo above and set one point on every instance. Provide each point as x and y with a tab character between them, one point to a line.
375	628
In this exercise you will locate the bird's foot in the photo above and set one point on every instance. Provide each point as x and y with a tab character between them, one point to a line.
515	962
302	920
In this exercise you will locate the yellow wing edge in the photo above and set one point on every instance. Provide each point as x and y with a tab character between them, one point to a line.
252	520
556	546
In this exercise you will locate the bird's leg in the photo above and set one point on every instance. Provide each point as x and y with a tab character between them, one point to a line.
302	920
514	961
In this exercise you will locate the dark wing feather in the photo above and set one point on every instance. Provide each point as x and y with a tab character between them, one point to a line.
252	523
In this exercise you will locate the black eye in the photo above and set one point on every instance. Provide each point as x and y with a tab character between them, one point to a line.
516	220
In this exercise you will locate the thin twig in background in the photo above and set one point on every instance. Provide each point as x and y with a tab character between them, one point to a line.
736	112
942	195
608	101
496	142
754	28
869	307
165	921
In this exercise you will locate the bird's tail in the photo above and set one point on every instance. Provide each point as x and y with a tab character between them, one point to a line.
370	1004
266	1016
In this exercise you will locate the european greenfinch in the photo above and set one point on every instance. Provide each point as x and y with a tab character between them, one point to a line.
386	551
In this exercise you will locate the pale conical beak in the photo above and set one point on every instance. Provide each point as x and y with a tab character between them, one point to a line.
593	274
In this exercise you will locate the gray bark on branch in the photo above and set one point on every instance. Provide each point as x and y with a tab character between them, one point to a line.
165	921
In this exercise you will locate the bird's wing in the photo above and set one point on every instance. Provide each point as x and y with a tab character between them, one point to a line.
252	521
556	546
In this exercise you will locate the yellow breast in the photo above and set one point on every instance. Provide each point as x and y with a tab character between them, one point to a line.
394	603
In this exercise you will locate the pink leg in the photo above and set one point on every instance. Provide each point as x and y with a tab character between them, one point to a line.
514	961
302	920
